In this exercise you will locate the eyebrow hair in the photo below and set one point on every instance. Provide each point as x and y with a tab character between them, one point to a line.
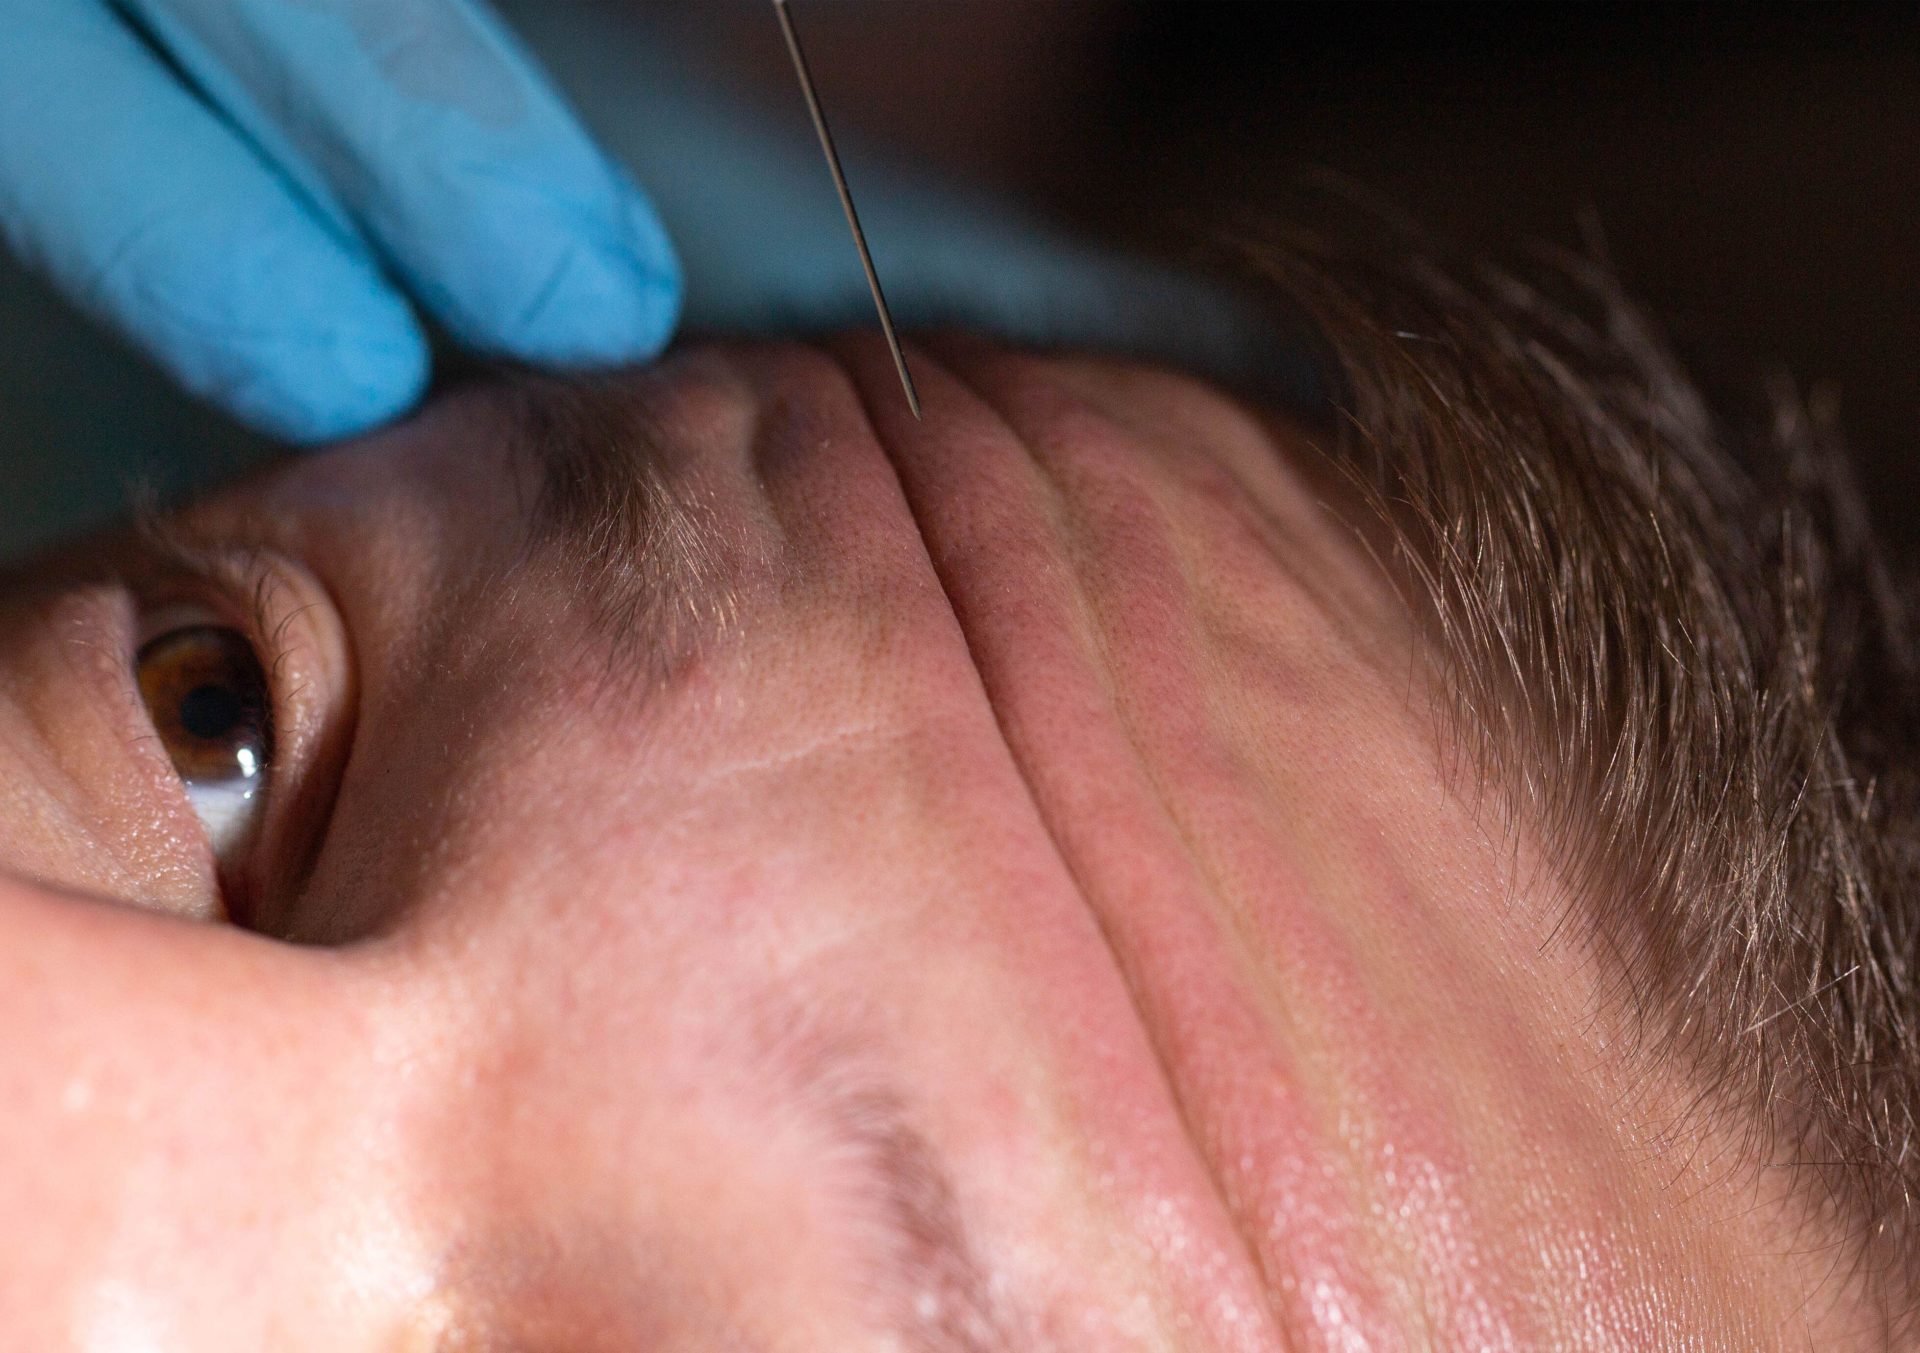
652	565
920	1270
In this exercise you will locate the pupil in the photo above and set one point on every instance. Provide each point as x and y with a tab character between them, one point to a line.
211	712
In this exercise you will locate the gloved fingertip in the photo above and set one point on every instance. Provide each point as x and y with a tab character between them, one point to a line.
597	306
599	293
560	262
337	385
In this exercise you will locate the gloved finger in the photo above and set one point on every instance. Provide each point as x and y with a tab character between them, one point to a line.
428	126
151	214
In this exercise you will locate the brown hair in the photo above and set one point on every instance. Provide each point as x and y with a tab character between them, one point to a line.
1682	657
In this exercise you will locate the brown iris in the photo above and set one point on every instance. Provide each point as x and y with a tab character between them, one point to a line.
209	702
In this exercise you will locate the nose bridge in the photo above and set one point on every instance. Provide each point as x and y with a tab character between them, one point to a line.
180	1087
548	1104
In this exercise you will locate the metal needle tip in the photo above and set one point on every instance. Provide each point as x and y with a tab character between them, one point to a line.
846	202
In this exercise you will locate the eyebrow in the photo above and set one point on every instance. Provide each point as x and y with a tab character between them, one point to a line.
652	566
925	1278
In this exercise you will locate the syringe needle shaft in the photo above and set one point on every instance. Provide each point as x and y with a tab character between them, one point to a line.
846	202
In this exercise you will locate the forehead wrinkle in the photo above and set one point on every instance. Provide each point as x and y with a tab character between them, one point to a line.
641	550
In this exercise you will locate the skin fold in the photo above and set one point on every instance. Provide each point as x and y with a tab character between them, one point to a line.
998	882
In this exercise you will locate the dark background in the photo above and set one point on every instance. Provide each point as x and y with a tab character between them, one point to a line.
1753	170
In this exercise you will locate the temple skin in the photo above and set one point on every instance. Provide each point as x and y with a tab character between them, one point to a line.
1017	894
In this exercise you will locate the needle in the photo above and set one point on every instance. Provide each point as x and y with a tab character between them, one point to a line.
846	202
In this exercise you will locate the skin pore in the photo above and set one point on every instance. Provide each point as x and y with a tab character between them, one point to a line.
991	882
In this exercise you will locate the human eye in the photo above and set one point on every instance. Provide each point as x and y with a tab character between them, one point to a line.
211	705
239	664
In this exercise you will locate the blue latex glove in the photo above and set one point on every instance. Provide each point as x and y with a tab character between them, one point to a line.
246	188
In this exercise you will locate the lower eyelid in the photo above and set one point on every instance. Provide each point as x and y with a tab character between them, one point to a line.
88	748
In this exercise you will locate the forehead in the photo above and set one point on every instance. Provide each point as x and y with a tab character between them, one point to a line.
1015	841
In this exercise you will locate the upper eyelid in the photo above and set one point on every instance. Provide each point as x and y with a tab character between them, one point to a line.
241	574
